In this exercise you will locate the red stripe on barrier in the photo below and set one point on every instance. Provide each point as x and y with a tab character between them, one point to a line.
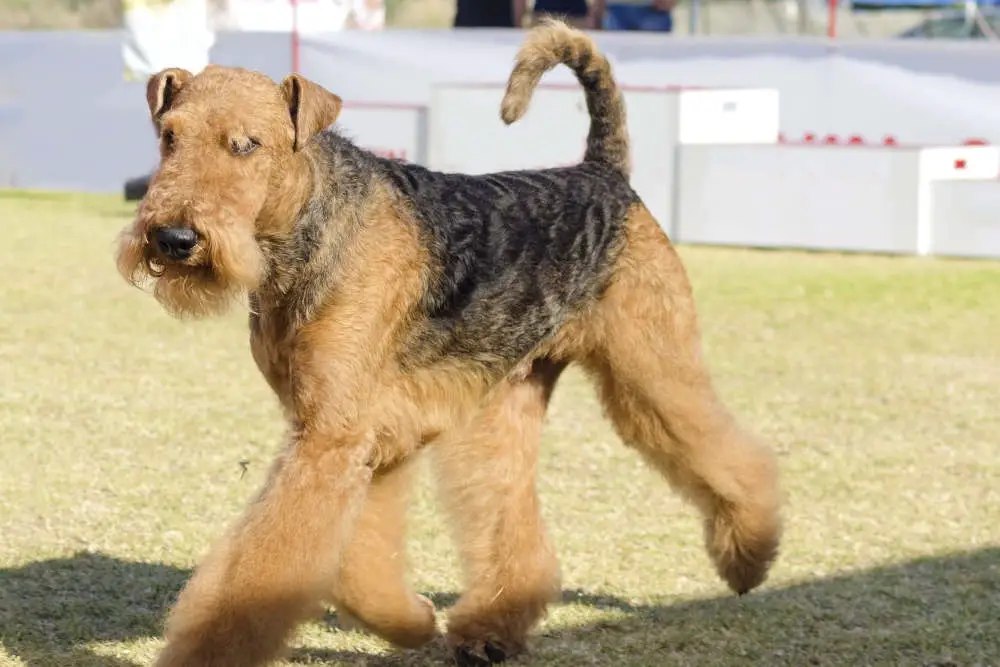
858	140
393	106
837	140
498	85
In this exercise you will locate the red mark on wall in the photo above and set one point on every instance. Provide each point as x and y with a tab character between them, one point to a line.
390	153
858	140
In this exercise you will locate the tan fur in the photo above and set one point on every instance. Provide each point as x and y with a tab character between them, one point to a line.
658	394
486	474
329	524
371	590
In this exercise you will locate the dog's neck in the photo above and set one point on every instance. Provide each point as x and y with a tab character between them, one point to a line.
320	206
290	187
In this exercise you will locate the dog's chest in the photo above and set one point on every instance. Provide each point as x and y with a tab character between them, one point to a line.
270	344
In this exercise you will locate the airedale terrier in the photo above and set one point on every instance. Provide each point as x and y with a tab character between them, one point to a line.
393	307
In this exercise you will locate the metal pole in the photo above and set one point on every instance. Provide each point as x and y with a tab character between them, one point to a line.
693	17
295	36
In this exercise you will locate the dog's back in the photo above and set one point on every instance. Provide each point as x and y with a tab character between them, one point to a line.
516	253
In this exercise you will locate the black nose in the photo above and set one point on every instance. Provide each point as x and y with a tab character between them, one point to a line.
176	242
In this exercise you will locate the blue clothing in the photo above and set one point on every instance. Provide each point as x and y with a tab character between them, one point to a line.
564	7
637	17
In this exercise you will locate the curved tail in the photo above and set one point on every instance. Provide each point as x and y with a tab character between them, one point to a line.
553	43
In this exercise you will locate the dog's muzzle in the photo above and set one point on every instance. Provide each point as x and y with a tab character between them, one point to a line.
176	243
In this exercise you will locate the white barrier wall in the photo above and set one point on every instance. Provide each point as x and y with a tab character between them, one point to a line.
919	91
390	130
712	189
966	219
467	134
867	199
939	92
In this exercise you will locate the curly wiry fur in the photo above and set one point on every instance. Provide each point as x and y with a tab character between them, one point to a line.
392	308
554	43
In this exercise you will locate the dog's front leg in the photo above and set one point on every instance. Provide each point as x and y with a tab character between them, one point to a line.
276	564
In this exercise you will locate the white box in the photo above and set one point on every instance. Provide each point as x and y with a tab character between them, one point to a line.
949	163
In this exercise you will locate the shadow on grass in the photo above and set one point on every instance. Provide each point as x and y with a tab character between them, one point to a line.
50	610
932	612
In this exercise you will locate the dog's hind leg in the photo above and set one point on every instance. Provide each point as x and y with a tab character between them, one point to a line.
486	477
657	391
371	586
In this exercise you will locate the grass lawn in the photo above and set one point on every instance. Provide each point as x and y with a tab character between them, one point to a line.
877	379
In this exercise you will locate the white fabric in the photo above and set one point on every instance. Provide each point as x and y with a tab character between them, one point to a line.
369	14
166	33
314	16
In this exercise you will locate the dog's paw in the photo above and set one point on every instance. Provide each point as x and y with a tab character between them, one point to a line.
480	654
426	603
348	622
743	546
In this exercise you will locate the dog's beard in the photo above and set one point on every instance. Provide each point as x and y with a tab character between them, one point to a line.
193	292
221	272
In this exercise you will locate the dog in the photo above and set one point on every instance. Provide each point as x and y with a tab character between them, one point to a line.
394	309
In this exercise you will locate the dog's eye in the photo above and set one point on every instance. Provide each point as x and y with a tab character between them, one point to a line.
243	145
168	139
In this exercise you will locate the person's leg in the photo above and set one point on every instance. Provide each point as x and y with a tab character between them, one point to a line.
630	17
654	20
616	17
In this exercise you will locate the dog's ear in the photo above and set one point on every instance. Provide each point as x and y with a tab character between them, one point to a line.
162	89
312	107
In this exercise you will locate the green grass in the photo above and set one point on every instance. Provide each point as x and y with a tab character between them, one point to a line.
877	380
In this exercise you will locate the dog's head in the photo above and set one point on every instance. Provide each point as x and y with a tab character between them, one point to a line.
230	171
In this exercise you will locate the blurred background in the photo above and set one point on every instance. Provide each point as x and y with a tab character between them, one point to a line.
874	18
